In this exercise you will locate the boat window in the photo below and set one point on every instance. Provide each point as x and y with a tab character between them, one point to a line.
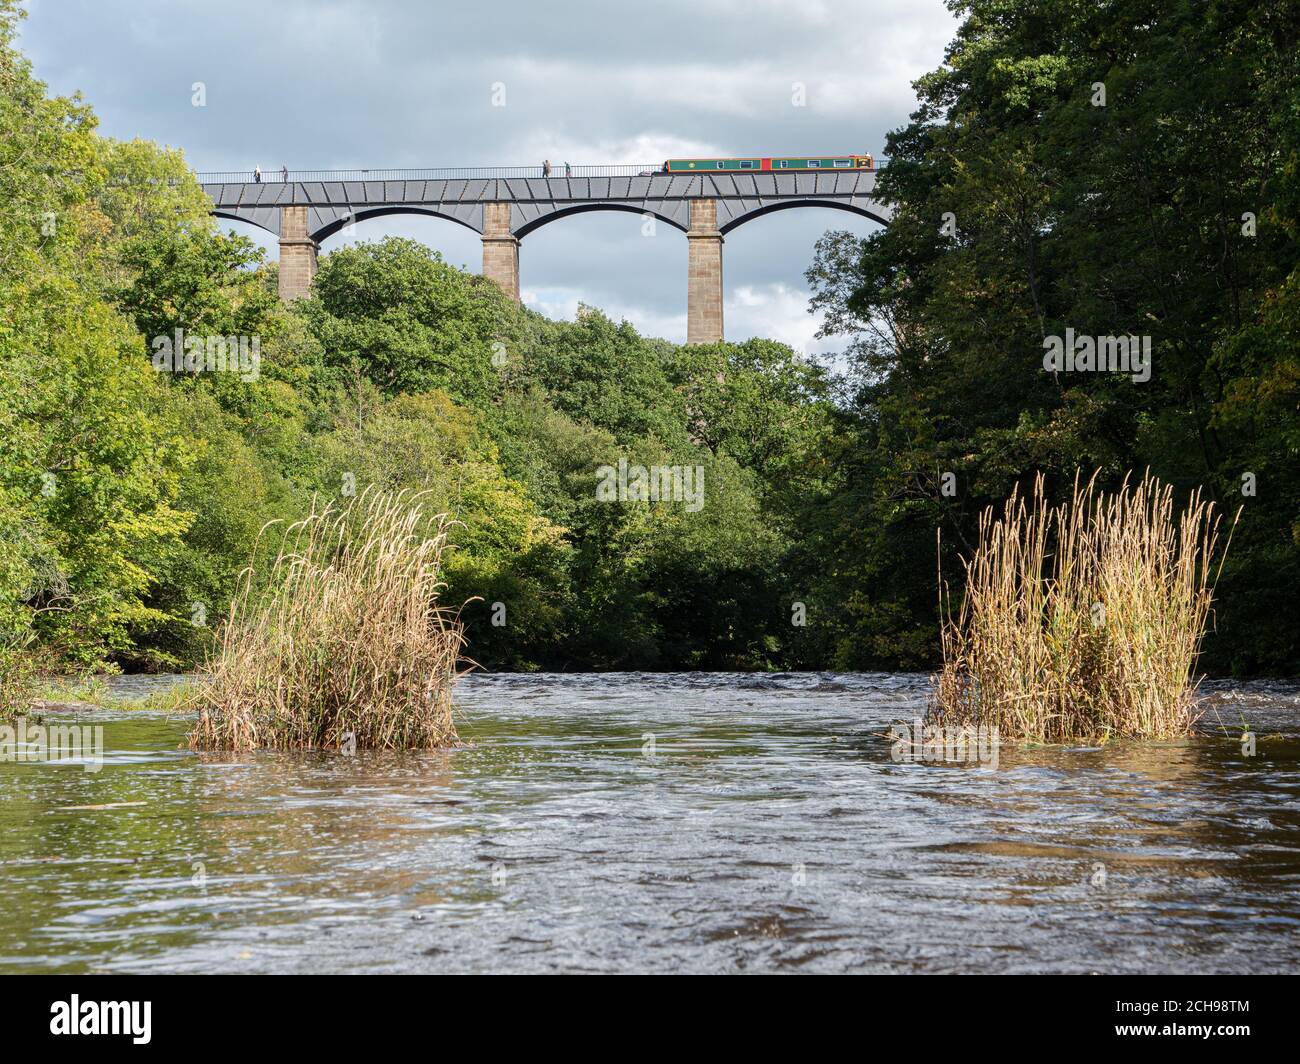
747	164
814	164
843	163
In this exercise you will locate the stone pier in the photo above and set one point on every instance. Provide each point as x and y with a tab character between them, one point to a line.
500	249
704	274
297	254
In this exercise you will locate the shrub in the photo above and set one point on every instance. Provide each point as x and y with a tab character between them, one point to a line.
17	680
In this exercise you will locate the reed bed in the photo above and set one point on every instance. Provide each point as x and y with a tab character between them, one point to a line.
1081	622
346	646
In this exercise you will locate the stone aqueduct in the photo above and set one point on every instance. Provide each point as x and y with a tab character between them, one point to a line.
504	206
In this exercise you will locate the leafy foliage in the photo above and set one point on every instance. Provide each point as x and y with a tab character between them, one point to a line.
1028	203
131	499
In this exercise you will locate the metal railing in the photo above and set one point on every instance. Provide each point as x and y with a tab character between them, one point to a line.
212	177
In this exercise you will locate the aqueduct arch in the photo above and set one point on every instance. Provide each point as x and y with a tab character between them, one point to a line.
503	206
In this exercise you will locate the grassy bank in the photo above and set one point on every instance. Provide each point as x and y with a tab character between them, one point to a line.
347	646
1082	621
97	692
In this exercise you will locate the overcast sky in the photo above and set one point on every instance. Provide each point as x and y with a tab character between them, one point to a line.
324	84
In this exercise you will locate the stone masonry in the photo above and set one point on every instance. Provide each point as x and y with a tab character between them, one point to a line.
704	274
297	254
500	249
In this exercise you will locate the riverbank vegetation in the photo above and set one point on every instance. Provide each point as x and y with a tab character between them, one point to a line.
1089	171
132	497
1083	621
18	680
345	644
96	691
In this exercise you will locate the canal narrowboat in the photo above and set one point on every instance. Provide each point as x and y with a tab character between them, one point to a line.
777	164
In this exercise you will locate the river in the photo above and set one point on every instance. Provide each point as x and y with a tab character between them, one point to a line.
660	823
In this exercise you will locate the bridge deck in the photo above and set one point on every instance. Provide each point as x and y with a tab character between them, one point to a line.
535	200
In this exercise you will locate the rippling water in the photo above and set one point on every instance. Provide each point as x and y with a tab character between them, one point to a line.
682	822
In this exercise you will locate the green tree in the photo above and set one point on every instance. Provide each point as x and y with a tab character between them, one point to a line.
398	315
1028	203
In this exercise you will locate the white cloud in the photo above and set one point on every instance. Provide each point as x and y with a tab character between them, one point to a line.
561	304
650	148
774	311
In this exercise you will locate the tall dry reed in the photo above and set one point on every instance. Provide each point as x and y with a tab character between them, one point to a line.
1081	621
346	644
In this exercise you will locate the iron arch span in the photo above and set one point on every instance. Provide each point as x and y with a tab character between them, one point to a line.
364	214
587	208
267	226
873	213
